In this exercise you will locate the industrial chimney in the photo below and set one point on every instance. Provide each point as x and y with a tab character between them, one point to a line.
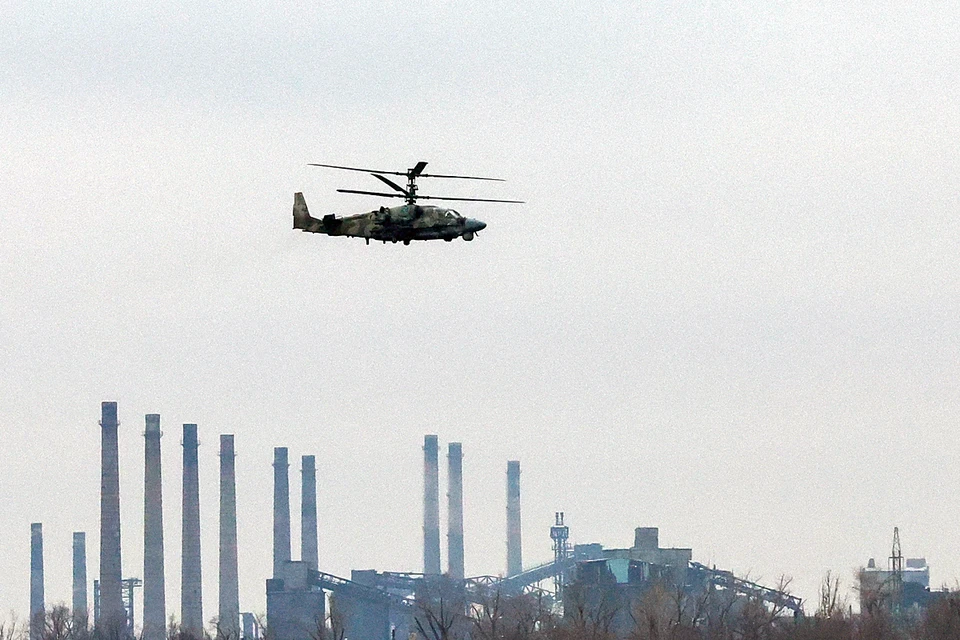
308	513
36	581
281	511
112	613
154	598
191	600
455	511
431	506
229	614
514	561
80	580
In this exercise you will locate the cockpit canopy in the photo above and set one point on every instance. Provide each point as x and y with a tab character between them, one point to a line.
450	214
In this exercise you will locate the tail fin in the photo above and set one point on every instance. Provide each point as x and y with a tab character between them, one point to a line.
301	216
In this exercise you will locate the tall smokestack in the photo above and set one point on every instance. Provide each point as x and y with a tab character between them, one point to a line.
431	506
154	599
80	579
36	581
281	511
112	613
455	511
308	513
191	600
229	615
514	561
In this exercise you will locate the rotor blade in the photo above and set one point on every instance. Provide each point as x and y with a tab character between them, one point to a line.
438	175
372	193
390	183
336	166
415	172
419	197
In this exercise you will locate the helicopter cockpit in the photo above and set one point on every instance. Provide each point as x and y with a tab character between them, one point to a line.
450	214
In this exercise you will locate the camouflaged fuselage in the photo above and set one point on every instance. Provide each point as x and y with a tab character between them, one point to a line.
390	224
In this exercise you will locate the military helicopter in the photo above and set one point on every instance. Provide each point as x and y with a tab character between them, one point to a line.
403	223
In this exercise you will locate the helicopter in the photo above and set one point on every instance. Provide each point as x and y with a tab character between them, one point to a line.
403	223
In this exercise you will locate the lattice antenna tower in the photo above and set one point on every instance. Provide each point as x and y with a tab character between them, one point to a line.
896	568
559	533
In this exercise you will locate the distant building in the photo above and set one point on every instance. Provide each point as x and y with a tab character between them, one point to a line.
607	585
879	587
295	605
915	570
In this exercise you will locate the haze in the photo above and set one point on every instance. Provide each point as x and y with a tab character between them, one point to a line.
729	307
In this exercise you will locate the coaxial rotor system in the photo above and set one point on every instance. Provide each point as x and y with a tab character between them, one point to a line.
410	192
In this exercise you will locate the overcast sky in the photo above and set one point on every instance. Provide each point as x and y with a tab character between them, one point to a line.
730	306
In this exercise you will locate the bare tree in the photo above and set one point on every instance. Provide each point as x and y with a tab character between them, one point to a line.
224	631
58	624
832	604
524	615
716	621
439	619
669	612
942	620
12	629
485	617
590	612
332	626
115	629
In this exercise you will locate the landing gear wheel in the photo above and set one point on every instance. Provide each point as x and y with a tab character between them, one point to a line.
406	242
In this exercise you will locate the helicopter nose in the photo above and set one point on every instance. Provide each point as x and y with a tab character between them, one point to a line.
472	226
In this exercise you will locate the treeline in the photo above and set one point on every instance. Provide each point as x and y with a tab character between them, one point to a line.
59	623
662	613
658	613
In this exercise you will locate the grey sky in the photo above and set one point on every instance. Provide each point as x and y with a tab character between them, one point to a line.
729	307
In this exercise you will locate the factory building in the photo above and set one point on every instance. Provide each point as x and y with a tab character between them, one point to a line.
915	572
908	590
902	587
644	556
610	584
296	606
370	604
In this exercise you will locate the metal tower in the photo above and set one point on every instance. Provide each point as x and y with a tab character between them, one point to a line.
896	567
559	533
129	584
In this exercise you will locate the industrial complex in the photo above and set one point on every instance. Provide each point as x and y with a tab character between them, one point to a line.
303	601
